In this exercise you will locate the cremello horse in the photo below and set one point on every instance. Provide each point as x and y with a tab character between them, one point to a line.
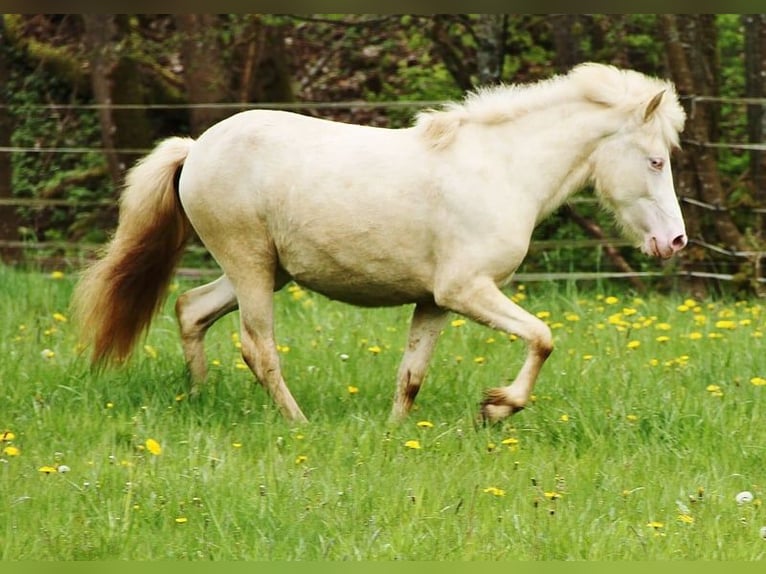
439	214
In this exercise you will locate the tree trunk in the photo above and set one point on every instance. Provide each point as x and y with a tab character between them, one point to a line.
100	31
206	76
491	32
755	87
691	47
8	218
566	41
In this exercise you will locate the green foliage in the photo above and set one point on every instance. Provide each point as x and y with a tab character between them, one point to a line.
30	90
646	424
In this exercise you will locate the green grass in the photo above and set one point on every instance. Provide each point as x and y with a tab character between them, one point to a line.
617	438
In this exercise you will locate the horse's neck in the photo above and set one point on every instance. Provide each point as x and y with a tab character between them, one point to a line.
570	136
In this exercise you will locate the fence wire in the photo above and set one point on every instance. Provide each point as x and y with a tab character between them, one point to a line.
82	248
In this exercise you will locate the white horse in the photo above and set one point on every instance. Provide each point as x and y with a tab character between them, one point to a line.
439	214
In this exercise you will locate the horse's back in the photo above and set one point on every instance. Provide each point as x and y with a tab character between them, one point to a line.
348	209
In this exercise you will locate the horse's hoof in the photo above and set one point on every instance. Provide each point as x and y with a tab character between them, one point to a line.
496	406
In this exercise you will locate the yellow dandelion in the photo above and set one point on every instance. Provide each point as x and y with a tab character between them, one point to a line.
11	450
628	311
656	524
458	322
662	339
564	418
552	495
758	381
7	436
686	519
374	349
695	336
494	491
587	357
57	275
611	300
631	418
60	317
151	351
543	314
425	424
663	326
283	349
181	520
301	458
236	444
479	360
714	390
153	447
413	444
572	317
726	324
634	344
352	390
510	441
47	469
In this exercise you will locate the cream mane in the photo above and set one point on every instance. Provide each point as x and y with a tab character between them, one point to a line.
626	90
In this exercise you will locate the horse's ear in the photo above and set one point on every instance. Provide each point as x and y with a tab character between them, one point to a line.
653	105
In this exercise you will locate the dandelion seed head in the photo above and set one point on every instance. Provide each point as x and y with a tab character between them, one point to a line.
744	497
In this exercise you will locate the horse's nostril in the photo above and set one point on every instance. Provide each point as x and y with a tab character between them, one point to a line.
679	242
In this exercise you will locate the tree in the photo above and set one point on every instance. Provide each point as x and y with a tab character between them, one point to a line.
691	43
755	87
8	216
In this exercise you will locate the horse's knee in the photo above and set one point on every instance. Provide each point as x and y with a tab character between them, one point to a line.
539	338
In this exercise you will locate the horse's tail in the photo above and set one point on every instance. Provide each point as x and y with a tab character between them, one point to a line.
117	296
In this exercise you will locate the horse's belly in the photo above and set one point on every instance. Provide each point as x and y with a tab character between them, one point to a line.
362	277
368	293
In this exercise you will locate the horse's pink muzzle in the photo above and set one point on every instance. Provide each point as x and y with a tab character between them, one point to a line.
664	247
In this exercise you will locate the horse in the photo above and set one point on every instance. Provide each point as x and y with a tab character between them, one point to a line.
438	214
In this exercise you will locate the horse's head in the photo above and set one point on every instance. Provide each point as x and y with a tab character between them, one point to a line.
633	178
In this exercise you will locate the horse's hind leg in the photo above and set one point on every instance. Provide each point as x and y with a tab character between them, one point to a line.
427	322
259	349
196	310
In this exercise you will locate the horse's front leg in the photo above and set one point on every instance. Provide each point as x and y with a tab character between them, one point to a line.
196	310
481	300
426	325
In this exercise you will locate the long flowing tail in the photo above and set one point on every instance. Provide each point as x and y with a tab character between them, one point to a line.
117	297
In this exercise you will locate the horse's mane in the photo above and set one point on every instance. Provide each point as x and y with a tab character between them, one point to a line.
626	90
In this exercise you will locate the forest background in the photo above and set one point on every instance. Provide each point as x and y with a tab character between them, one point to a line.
82	96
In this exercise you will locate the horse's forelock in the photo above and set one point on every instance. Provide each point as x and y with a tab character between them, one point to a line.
632	91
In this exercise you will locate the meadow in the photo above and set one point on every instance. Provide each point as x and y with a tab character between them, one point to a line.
645	441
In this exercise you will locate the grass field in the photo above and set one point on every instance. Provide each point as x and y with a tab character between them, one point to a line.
647	424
